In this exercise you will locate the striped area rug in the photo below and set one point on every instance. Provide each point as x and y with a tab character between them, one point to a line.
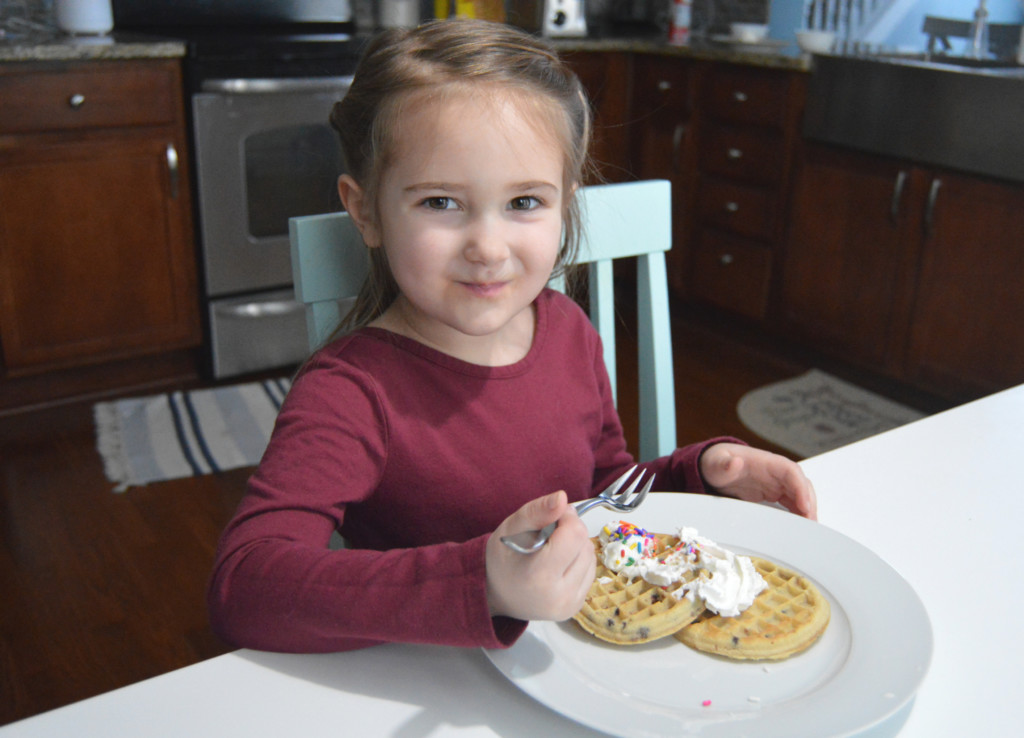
186	434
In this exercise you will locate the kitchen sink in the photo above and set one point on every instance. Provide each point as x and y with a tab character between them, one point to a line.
972	63
950	62
925	110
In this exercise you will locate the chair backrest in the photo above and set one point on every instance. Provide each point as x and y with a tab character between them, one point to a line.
628	220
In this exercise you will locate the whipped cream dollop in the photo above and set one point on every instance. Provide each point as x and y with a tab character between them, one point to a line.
727	583
733	583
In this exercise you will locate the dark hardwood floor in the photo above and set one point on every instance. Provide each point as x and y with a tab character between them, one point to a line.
99	590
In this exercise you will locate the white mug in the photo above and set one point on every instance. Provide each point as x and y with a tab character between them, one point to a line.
84	16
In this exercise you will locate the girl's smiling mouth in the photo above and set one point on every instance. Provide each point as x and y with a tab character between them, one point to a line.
485	289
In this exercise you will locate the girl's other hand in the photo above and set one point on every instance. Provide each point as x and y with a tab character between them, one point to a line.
550	584
756	475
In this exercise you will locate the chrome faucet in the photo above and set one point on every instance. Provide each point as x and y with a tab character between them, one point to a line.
979	32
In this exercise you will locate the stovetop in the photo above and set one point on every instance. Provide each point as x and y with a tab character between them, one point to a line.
320	50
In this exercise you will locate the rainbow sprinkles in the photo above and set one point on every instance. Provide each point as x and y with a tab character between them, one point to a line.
727	583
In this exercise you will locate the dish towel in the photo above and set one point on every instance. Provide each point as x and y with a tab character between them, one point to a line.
186	434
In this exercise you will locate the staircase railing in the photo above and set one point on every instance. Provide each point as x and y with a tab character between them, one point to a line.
848	18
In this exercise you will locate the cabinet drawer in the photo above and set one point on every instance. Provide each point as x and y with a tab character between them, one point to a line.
732	273
747	95
662	84
750	154
742	209
85	96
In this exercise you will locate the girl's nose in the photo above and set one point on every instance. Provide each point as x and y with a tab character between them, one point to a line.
485	242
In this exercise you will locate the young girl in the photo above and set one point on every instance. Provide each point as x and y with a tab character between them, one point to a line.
467	401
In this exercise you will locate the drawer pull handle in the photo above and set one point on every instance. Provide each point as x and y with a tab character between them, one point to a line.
740	96
929	214
726	259
173	171
897	196
677	145
257	310
732	207
664	85
76	101
734	153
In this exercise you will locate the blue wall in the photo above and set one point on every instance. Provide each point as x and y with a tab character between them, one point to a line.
785	16
908	32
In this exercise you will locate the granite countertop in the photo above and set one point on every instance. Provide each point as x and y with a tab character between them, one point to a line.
784	57
56	46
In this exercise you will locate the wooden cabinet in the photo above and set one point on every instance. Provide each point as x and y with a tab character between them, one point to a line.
967	330
661	145
722	134
846	271
747	124
905	270
908	270
96	245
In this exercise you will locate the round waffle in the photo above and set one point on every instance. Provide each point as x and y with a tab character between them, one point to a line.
630	611
786	618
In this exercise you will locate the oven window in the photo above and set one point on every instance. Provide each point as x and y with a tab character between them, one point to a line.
290	171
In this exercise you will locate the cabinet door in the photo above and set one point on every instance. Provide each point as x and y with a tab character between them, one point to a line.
845	265
967	336
605	77
95	252
662	144
662	108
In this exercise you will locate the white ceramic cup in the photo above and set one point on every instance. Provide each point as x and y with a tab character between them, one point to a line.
93	17
399	13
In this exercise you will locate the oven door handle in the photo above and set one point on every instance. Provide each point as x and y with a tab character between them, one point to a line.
265	309
276	86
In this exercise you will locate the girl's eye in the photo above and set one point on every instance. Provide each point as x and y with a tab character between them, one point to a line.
439	203
524	202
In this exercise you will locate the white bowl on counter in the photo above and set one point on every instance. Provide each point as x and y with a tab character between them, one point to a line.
749	33
816	42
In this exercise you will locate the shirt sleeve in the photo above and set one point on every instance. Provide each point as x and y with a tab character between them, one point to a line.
277	585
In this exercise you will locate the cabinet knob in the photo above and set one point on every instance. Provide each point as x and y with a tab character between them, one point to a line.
173	171
732	207
739	96
664	85
76	101
726	259
734	153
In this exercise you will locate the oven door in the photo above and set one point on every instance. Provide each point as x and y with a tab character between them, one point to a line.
264	153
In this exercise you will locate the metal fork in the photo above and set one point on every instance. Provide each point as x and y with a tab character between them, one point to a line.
530	541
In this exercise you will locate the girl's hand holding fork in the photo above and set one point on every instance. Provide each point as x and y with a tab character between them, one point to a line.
550	584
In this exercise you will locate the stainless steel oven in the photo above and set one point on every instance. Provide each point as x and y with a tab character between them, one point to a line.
261	79
264	152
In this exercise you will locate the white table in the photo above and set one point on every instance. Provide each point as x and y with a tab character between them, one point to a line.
941	500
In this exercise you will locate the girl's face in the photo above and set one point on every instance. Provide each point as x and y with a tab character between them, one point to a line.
470	217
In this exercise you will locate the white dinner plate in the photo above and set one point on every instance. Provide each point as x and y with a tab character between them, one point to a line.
865	668
762	46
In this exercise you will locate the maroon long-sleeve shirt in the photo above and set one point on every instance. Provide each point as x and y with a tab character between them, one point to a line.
416	457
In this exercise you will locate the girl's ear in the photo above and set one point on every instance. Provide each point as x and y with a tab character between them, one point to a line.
359	209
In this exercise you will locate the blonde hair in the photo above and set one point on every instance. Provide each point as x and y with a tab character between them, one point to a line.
441	56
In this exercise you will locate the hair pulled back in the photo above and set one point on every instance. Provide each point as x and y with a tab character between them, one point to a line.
457	54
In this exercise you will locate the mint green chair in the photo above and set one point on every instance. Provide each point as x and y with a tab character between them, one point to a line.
629	220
